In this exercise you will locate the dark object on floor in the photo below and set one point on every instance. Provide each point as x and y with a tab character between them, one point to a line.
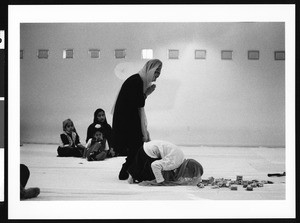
249	188
233	188
24	176
123	175
232	184
276	174
29	193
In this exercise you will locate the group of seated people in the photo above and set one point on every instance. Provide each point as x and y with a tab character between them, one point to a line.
157	163
98	141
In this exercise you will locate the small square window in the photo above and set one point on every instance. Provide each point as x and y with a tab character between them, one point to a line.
94	53
200	54
226	54
253	55
43	54
120	53
279	55
68	54
21	54
147	54
173	54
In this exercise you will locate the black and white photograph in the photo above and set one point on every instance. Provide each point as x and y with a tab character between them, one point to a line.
119	109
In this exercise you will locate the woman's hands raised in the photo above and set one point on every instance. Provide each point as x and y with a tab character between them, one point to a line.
150	89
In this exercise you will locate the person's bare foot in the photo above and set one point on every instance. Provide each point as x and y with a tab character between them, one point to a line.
130	179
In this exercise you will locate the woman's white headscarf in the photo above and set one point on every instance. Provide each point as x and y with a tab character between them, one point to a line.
147	74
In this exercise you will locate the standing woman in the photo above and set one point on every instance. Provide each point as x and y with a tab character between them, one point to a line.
129	119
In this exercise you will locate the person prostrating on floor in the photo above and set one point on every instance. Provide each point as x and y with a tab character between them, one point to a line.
162	163
70	145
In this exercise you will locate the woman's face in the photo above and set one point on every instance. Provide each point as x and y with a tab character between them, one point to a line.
101	116
156	74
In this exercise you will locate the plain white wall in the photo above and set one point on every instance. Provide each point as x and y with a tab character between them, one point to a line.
237	102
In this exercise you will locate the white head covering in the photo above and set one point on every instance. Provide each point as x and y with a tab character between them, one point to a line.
147	72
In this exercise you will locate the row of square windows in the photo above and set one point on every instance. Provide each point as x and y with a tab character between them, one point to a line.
148	54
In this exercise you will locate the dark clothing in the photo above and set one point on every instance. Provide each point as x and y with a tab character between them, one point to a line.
105	129
69	151
74	147
140	169
69	139
96	151
127	131
24	175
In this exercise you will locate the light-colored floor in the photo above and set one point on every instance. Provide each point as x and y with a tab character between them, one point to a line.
68	178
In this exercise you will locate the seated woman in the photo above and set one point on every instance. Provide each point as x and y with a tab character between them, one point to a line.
100	120
163	163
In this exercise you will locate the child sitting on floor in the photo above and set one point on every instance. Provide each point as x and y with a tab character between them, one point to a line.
97	147
69	141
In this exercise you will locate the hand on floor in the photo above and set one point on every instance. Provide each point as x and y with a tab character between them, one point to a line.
151	183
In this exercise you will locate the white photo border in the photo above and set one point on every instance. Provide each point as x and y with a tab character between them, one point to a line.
204	209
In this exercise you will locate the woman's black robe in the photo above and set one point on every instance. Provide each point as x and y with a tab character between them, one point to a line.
127	132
